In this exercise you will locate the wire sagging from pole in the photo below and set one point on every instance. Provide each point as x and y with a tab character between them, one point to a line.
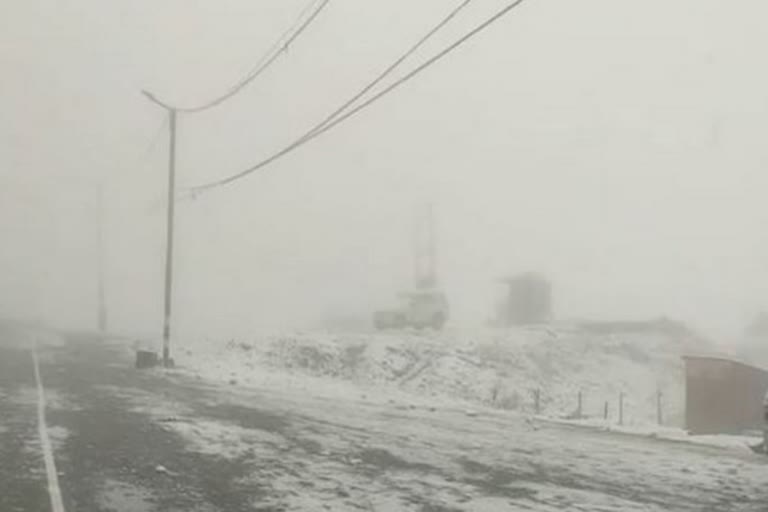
373	83
278	48
328	125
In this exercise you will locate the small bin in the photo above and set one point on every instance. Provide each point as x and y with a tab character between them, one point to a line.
146	359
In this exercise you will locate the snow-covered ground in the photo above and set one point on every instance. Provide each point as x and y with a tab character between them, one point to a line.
349	452
479	368
338	457
742	443
482	367
407	421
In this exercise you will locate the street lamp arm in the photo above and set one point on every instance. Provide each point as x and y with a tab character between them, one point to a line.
154	99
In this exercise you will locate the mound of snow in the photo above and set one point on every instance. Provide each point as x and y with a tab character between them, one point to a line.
499	368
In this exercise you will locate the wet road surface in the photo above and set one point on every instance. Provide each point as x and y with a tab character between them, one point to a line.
129	440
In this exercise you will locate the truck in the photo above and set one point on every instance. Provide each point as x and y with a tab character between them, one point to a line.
420	309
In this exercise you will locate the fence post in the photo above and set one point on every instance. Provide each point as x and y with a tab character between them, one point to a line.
658	408
605	411
621	408
537	400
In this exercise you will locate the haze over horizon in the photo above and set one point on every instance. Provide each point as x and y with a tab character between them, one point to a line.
617	148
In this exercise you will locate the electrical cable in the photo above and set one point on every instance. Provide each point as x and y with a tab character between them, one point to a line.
373	83
314	133
275	51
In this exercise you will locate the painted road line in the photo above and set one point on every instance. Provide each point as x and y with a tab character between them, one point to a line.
54	491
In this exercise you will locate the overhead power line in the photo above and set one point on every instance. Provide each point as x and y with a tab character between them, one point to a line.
389	69
316	132
278	48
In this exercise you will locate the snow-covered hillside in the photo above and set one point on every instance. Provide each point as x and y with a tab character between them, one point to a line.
498	368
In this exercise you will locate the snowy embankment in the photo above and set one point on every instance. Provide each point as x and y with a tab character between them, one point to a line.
495	368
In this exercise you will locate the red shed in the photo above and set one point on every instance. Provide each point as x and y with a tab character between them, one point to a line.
723	396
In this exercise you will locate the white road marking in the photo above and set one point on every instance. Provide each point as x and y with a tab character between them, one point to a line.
50	464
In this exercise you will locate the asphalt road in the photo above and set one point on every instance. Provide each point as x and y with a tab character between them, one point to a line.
144	441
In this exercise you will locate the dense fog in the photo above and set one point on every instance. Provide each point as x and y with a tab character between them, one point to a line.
616	147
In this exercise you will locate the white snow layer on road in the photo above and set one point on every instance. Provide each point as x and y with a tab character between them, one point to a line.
496	368
339	454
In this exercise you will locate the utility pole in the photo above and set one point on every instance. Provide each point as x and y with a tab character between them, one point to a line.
167	309
432	246
102	312
424	248
169	240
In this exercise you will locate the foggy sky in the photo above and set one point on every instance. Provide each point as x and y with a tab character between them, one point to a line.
617	147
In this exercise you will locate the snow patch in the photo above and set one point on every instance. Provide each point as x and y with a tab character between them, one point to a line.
495	368
149	403
223	439
117	495
58	436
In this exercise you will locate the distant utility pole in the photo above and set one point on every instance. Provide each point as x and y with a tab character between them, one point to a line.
102	312
168	227
424	248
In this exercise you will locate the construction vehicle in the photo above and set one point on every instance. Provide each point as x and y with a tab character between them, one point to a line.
426	304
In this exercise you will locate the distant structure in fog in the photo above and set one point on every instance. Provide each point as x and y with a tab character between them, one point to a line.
723	396
425	305
528	300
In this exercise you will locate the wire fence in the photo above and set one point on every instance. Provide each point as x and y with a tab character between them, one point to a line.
617	407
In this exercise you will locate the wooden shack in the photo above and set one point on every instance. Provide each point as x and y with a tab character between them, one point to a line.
723	396
528	301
